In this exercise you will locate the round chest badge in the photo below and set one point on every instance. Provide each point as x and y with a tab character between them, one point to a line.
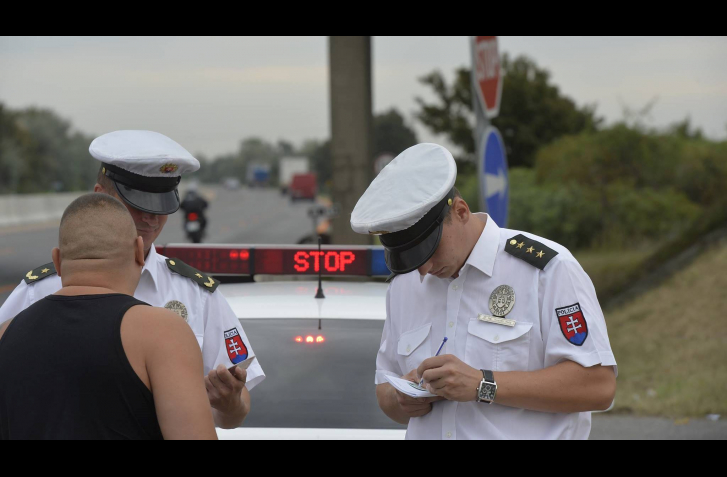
178	308
502	300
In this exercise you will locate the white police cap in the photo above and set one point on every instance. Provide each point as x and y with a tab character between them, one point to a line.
146	168
406	204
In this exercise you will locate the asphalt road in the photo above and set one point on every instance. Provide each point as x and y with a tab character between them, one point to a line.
240	216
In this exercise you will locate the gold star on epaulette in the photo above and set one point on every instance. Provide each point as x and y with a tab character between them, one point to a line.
521	245
530	250
45	270
198	275
539	254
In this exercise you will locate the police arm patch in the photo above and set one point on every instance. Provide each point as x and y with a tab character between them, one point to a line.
37	274
572	324
180	268
236	349
529	250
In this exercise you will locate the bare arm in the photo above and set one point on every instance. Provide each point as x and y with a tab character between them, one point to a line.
174	364
566	387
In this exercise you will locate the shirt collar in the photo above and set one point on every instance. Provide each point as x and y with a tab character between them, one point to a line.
150	264
483	254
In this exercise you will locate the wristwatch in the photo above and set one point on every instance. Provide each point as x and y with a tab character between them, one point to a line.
488	387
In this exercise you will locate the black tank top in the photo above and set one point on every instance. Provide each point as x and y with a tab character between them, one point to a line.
64	373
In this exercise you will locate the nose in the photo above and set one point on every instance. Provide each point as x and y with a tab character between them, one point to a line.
426	268
150	219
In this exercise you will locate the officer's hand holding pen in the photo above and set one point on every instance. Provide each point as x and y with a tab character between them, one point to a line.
447	376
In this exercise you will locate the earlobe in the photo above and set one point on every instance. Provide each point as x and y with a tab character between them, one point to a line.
98	188
56	254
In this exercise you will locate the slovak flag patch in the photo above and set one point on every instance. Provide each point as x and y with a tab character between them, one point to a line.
236	349
573	324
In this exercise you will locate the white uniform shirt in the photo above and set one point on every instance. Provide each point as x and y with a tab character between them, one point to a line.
208	314
421	313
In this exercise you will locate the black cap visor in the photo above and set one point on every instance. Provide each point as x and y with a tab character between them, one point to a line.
405	261
157	203
409	249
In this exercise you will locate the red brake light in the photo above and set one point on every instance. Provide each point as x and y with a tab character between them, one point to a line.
298	339
320	339
192	217
309	339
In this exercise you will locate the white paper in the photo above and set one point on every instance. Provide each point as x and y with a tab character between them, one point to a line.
409	388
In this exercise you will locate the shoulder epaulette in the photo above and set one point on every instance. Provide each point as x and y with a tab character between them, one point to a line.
203	280
40	273
529	250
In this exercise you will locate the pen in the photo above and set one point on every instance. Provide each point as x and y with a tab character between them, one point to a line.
438	351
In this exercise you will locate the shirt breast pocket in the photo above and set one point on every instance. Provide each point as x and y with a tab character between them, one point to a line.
413	348
497	347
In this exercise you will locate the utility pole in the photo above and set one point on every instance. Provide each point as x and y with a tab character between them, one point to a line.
351	129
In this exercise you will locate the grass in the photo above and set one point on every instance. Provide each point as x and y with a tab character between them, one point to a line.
671	343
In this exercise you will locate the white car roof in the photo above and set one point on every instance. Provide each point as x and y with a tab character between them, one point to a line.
296	299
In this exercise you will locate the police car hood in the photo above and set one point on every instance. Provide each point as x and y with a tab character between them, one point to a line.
296	299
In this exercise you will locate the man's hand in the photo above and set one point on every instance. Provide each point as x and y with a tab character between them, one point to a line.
414	407
450	378
224	390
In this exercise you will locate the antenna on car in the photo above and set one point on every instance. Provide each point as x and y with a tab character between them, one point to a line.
319	293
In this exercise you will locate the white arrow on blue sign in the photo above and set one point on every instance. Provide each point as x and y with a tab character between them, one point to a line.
492	171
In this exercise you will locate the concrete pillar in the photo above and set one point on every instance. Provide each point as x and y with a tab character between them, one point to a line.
351	129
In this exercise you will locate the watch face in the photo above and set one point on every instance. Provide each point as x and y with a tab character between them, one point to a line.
487	392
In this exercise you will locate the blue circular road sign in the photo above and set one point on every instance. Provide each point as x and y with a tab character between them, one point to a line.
492	168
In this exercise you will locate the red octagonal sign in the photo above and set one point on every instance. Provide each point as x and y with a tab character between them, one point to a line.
487	74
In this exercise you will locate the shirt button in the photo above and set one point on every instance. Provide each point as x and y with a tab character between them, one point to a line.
449	435
451	324
496	338
455	287
408	349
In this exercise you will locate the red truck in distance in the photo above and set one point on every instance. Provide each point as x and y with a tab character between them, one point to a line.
303	186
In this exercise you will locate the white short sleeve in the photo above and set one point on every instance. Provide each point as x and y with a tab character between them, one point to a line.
386	362
572	322
221	321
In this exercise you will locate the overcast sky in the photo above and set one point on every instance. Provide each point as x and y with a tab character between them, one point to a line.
209	93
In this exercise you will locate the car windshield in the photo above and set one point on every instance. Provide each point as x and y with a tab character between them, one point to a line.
316	385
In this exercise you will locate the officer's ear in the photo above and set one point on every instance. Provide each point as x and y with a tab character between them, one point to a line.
57	259
139	251
461	210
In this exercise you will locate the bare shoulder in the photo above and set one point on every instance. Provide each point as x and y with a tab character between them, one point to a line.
4	327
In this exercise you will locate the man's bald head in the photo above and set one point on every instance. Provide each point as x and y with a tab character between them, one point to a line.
96	227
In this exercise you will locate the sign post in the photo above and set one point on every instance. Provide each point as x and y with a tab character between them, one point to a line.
491	159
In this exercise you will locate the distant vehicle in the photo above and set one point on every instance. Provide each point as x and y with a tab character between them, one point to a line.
258	175
231	183
303	186
290	166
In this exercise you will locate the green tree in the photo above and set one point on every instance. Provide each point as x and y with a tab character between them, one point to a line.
533	112
391	134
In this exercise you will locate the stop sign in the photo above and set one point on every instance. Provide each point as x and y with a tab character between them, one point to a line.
488	82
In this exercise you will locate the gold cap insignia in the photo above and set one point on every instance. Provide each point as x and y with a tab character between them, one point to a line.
168	168
449	202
